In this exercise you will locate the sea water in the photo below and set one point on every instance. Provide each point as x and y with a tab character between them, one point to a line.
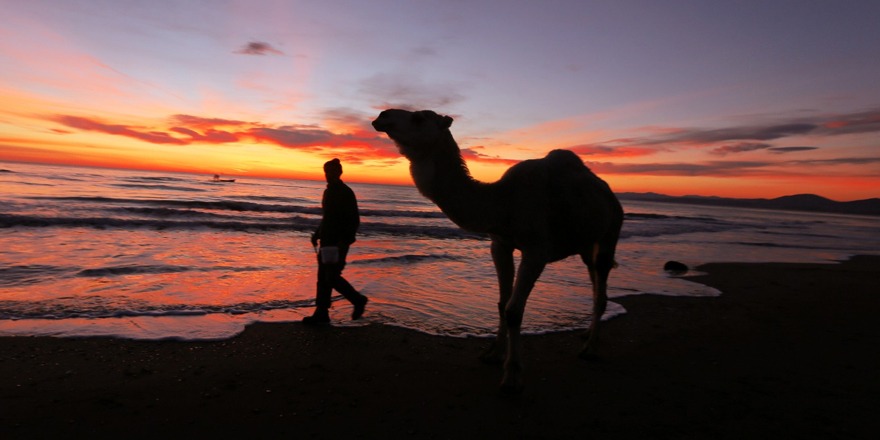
153	255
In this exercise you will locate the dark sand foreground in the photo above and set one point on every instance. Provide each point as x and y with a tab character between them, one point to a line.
789	351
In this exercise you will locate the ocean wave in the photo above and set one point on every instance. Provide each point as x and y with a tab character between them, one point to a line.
403	259
99	307
29	274
220	205
669	226
637	216
12	220
197	220
396	213
31	184
239	215
242	206
155	179
782	245
400	201
157	187
157	269
167	212
295	224
277	199
420	231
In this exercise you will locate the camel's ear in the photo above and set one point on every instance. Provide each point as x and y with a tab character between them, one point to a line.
447	121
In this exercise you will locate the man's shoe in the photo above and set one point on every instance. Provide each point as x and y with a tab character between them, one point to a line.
317	319
359	308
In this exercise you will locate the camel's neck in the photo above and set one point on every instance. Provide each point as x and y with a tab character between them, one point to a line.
447	182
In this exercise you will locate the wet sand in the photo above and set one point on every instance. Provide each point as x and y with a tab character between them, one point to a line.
788	351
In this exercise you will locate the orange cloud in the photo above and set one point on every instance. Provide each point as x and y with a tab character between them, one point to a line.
155	137
360	145
210	135
196	122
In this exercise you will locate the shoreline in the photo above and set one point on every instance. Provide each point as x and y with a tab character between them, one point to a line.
787	350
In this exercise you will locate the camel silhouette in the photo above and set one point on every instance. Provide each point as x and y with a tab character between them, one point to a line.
548	209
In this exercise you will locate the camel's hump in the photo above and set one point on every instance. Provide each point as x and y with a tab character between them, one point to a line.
558	165
564	159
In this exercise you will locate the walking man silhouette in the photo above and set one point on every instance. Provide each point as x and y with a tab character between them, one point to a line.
339	224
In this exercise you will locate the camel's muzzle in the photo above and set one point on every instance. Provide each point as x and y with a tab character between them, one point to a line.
382	124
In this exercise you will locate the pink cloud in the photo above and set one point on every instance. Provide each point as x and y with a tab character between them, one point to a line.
739	147
210	135
155	137
197	122
361	145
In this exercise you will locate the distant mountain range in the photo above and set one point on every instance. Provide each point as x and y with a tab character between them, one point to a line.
799	202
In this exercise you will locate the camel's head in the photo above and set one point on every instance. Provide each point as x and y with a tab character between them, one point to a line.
416	134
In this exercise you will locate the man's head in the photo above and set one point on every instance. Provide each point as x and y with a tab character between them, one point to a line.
333	170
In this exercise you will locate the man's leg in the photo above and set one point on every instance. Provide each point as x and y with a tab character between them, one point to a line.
322	295
346	289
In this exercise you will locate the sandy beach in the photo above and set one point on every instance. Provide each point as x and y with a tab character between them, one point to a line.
788	351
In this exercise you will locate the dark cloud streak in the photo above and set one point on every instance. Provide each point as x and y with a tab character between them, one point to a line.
833	125
722	168
783	150
258	48
739	148
854	123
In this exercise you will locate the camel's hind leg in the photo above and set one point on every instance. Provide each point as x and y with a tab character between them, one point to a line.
502	256
600	265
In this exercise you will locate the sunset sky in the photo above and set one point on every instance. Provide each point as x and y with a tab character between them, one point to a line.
731	98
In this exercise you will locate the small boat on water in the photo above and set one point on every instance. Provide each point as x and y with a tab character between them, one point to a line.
219	180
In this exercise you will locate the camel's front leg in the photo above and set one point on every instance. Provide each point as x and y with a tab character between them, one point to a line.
529	270
599	277
502	256
600	300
